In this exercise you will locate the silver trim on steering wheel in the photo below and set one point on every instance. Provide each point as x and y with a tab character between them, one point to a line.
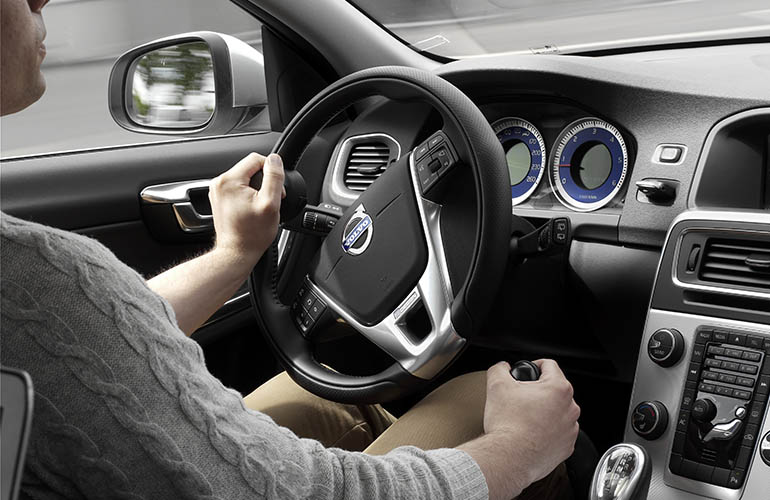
426	358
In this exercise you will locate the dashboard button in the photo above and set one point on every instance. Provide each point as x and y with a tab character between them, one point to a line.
720	476
670	154
751	356
755	342
737	339
703	336
735	480
721	335
750	369
741	394
763	385
704	472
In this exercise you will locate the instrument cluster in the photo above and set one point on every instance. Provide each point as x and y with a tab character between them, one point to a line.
586	164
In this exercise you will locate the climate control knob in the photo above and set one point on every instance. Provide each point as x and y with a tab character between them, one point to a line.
665	347
703	410
649	419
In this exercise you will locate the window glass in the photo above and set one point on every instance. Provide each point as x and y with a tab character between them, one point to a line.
84	39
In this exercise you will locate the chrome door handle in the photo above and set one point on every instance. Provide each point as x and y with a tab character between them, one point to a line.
177	194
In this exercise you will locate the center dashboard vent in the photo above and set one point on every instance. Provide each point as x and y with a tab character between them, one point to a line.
366	161
742	262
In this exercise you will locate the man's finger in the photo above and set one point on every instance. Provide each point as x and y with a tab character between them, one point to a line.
272	182
548	369
245	169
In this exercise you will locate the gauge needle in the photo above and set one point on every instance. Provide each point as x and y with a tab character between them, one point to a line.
564	165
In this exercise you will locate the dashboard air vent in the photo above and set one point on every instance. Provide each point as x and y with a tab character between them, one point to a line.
365	163
737	262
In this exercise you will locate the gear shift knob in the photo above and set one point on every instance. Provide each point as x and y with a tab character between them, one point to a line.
623	473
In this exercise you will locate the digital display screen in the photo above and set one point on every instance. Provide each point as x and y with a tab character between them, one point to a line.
595	166
519	160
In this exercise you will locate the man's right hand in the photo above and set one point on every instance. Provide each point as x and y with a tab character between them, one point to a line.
529	428
539	418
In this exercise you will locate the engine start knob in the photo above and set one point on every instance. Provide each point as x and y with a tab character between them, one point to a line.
665	347
649	419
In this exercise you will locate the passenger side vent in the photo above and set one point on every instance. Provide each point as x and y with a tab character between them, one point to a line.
366	161
740	262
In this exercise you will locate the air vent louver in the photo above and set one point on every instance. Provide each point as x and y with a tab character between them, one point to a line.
365	163
737	262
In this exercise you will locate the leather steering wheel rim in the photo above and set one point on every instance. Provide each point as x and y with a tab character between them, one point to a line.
477	147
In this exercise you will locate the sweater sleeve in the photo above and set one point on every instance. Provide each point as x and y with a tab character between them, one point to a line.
123	399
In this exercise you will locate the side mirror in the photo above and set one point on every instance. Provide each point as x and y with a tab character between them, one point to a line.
199	83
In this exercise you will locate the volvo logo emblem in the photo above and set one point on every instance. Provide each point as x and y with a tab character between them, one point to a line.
358	232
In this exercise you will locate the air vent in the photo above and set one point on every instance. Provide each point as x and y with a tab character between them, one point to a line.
737	262
365	163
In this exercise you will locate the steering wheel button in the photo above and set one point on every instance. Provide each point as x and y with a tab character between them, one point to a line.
434	165
435	141
421	151
316	310
307	301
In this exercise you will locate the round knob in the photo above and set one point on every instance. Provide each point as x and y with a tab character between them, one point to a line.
665	347
525	371
649	419
703	410
764	449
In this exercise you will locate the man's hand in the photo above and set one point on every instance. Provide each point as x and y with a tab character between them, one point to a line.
530	428
246	220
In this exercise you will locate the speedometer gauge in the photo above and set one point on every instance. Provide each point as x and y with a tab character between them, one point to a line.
525	154
588	165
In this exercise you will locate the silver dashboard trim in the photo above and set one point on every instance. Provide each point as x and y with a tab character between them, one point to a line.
337	181
714	288
655	383
427	357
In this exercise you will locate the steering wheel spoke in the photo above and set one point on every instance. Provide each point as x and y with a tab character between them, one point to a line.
422	353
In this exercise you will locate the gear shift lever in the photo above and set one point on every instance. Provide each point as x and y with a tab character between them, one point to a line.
623	473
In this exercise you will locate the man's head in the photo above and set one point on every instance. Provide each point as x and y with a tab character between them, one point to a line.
22	32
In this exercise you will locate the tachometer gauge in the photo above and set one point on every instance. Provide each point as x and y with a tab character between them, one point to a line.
588	164
525	153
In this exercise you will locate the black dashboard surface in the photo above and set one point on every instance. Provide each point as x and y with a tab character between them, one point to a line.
600	290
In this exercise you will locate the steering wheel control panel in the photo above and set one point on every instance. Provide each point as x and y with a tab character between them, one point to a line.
433	159
722	407
307	309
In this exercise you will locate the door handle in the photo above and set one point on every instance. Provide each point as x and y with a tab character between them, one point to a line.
177	194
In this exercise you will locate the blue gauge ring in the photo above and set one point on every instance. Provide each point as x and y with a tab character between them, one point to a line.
518	133
617	171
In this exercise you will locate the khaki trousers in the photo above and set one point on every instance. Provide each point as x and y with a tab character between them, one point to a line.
446	418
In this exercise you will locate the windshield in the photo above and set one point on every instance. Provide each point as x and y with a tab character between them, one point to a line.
468	28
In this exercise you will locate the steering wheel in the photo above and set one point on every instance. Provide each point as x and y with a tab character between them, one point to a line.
386	257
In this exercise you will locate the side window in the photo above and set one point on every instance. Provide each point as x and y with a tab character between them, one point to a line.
84	39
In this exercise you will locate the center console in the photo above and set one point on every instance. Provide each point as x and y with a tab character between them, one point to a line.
700	400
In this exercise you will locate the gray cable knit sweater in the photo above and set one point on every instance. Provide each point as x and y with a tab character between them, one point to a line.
125	408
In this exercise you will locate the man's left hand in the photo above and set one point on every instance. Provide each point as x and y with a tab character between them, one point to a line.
246	220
